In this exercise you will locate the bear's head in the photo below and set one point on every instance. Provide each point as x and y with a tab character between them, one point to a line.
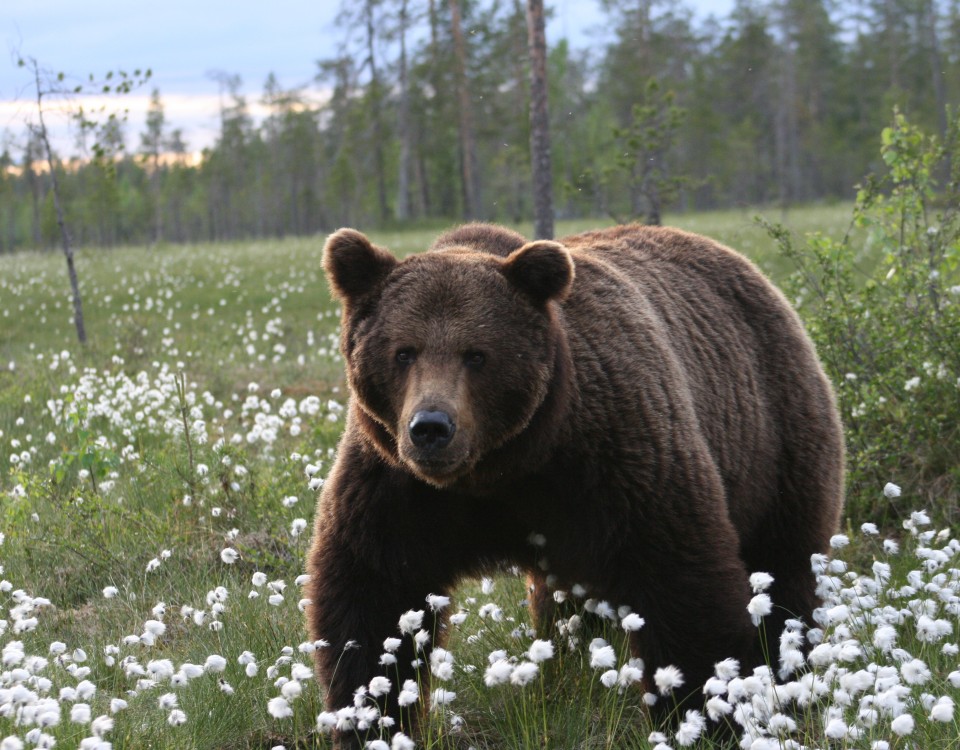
449	354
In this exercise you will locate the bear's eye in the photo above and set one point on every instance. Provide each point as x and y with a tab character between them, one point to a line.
474	360
406	356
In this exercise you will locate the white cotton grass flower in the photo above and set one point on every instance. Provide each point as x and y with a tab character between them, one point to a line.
601	609
524	673
441	663
101	726
602	655
167	701
411	621
214	663
291	690
441	697
667	679
437	602
891	490
717	708
540	651
176	718
632	622
690	728
492	611
902	725
229	555
409	694
379	686
839	541
609	678
160	669
109	592
760	581
86	690
154	627
400	741
279	708
390	645
942	710
915	672
246	658
759	607
727	669
421	638
498	673
930	630
300	672
630	673
836	729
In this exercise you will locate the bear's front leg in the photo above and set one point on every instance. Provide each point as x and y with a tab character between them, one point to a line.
367	569
694	599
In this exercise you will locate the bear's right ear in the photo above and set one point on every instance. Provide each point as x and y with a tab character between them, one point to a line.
354	266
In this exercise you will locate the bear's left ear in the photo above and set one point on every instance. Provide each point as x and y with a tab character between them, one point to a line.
541	269
354	265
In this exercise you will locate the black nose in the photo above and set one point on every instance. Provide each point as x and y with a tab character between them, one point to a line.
431	429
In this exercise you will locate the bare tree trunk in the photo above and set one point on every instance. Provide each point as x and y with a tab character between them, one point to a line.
157	197
403	125
892	24
929	10
468	149
539	124
378	157
786	137
520	179
35	203
64	234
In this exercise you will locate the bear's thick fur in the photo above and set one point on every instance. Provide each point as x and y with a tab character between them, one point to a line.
641	397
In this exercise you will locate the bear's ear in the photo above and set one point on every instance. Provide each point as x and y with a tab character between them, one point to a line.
541	269
353	264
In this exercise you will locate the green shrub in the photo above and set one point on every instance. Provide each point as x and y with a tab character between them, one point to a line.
883	307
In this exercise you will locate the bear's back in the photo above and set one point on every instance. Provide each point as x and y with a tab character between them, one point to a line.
744	359
484	238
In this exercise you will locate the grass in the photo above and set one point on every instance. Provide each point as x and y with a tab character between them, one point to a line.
102	490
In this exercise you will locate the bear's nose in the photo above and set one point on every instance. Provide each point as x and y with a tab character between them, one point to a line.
431	429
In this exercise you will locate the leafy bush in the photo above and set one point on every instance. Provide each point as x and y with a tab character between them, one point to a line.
883	307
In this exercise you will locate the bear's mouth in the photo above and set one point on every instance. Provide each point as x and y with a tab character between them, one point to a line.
438	471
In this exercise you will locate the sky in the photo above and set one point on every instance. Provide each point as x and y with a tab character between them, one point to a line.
186	42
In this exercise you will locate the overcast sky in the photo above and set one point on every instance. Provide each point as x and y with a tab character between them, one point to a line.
184	41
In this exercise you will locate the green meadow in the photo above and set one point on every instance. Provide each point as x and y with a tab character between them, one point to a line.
157	496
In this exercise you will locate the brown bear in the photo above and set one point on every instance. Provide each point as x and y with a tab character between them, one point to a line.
642	398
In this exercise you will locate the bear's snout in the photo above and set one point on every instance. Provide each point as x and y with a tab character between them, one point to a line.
431	430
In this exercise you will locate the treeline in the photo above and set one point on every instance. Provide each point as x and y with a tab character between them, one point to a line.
427	118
